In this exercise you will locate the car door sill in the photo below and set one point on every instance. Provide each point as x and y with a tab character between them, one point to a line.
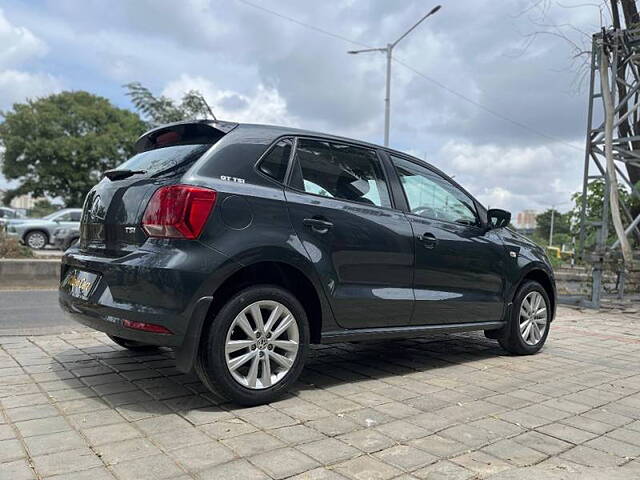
360	334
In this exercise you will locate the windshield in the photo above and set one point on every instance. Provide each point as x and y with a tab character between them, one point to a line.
161	159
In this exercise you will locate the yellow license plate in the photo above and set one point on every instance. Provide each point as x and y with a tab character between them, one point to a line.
79	283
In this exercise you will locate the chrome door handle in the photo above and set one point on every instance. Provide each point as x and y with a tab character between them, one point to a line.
429	240
318	225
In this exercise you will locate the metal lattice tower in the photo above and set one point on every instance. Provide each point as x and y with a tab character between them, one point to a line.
623	47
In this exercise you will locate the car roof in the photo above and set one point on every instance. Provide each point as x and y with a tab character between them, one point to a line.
69	210
275	131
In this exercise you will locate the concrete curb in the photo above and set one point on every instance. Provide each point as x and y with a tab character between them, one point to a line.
17	273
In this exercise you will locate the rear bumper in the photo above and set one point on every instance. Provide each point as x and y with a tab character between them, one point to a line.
169	286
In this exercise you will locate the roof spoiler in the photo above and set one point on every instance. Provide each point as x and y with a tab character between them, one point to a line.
184	133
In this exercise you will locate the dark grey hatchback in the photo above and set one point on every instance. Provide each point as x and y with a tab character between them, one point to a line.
240	245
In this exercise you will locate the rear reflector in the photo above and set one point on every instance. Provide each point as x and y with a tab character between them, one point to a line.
147	327
178	211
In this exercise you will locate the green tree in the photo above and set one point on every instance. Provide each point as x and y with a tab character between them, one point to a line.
158	110
43	208
561	227
594	203
59	145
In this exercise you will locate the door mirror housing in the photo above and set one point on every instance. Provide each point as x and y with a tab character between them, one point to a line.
498	218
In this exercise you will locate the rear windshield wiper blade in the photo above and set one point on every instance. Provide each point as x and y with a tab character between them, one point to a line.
116	174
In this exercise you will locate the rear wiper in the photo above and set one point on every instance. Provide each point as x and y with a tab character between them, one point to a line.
116	174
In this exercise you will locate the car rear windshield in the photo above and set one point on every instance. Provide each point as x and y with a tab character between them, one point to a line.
163	159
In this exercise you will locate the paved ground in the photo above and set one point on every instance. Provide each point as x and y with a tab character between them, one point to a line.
75	406
28	312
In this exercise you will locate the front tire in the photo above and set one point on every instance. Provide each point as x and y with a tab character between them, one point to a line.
255	347
530	320
36	240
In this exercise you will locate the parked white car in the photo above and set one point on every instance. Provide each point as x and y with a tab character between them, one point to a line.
7	214
37	233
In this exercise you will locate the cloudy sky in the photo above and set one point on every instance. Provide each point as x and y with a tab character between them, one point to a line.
254	65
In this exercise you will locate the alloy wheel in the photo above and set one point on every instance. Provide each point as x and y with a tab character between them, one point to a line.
36	240
533	318
262	344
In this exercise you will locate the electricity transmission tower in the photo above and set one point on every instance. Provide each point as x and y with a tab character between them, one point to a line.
614	88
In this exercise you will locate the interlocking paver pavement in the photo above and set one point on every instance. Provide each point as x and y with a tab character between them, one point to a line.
77	406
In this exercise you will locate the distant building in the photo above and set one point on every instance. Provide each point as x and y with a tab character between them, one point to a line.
526	221
25	202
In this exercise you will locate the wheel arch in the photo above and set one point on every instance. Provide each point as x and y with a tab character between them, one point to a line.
544	278
36	229
278	273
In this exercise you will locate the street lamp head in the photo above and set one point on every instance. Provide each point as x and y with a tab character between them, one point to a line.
435	9
352	52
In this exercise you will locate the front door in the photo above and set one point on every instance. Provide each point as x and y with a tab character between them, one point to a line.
458	265
362	249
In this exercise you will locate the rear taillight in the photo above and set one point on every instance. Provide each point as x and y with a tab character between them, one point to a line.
178	211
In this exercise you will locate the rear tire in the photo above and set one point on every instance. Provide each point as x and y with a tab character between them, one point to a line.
248	364
529	324
132	344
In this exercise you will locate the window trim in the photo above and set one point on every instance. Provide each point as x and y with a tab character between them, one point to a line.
270	147
385	175
478	224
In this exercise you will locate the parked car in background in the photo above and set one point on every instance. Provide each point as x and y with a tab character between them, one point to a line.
64	237
37	233
240	245
9	214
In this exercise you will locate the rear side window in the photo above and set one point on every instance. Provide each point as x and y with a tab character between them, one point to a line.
274	164
341	171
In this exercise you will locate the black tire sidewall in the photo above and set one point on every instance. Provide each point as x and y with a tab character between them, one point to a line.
515	340
213	352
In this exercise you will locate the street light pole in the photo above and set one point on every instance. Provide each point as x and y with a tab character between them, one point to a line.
387	98
389	51
553	211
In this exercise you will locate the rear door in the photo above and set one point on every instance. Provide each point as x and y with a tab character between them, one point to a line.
341	210
458	266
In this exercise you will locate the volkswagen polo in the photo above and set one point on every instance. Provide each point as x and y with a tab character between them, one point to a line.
241	245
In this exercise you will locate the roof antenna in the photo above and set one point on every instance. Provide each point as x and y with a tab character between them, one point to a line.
208	107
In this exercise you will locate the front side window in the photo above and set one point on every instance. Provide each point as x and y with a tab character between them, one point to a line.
340	171
274	164
431	196
75	216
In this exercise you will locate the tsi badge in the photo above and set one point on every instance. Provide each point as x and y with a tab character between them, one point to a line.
130	229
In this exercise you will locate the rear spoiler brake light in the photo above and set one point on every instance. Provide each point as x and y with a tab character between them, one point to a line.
184	133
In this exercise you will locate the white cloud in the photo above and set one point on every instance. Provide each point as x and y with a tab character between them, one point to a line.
18	44
17	86
263	105
514	178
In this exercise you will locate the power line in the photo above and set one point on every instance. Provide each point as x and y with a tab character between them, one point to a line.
484	108
302	24
432	80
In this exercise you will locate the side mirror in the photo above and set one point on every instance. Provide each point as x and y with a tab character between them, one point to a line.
498	218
